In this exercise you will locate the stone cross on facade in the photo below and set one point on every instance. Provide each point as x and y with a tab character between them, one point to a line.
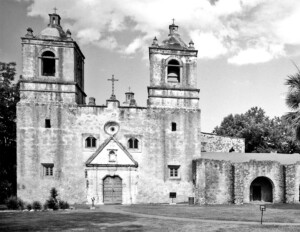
113	96
55	9
173	20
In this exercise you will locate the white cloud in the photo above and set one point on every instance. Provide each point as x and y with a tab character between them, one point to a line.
134	46
88	35
209	45
225	28
109	43
251	56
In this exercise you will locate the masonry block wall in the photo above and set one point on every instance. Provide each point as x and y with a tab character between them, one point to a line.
63	145
214	181
247	172
292	183
215	143
222	182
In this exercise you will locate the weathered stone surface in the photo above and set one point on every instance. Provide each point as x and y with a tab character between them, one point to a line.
220	182
292	184
215	143
167	130
214	181
246	172
60	99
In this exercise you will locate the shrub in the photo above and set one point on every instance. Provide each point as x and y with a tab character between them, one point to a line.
64	205
52	203
53	193
29	207
14	203
36	205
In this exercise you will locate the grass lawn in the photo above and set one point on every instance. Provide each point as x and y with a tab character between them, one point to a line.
248	212
113	218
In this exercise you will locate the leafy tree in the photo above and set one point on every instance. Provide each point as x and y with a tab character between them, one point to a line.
261	133
293	101
9	96
282	137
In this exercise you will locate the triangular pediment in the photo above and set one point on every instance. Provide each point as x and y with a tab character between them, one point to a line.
111	153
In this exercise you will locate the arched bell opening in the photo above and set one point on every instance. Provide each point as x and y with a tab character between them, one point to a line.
173	71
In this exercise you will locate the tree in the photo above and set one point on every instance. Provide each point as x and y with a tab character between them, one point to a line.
261	133
9	96
292	101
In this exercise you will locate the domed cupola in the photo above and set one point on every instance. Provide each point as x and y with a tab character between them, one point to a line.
173	41
54	30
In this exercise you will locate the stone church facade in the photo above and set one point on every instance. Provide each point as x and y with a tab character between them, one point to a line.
123	153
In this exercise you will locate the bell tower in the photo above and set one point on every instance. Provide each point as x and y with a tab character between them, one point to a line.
173	73
53	66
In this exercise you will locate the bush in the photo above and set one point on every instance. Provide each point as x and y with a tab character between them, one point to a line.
52	203
14	203
64	205
29	207
53	193
36	205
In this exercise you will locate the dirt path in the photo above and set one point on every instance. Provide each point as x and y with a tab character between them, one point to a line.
118	209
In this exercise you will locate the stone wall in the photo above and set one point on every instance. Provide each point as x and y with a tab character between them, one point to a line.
247	172
222	182
213	181
63	145
293	183
216	143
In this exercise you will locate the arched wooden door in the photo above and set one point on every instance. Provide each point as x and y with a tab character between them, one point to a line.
112	190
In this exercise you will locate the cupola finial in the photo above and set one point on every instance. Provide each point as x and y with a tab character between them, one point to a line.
54	19
173	28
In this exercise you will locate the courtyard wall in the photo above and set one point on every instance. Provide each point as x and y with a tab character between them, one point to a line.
215	143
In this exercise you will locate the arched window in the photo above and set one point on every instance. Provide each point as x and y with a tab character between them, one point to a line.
133	143
174	126
90	142
173	71
48	64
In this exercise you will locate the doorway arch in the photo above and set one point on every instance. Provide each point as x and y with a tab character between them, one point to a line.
112	190
261	189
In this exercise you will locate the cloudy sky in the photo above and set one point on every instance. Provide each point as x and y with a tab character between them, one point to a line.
246	48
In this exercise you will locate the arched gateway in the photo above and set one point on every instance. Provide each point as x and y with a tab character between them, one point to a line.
112	190
261	189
